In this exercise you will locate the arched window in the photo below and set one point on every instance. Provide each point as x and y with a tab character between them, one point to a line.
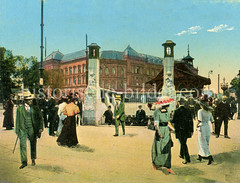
66	71
106	71
74	70
70	70
79	79
113	71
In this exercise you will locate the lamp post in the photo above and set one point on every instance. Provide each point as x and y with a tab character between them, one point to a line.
41	64
224	87
209	72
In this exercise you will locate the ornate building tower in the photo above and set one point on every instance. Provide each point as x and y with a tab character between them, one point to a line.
168	88
92	93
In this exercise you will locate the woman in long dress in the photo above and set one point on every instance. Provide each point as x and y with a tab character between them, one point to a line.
68	135
8	115
204	131
162	144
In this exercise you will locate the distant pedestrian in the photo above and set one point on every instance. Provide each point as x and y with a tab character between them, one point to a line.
192	105
203	128
29	125
108	116
68	135
8	115
140	115
223	114
52	115
62	117
162	144
183	124
233	107
119	115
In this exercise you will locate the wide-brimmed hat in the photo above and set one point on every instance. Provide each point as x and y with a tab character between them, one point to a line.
117	97
164	101
204	104
29	97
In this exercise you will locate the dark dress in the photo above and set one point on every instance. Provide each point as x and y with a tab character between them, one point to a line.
68	135
8	116
108	117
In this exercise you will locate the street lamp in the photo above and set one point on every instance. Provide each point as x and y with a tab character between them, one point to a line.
224	86
41	64
209	72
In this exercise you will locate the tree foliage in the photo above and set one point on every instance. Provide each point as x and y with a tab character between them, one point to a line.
235	85
7	69
53	78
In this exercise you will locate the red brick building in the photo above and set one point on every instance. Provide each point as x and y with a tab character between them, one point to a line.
118	70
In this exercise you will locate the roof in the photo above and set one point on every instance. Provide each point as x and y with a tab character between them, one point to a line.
74	55
56	55
106	54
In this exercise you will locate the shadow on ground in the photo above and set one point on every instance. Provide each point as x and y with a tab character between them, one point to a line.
131	134
56	169
229	157
82	148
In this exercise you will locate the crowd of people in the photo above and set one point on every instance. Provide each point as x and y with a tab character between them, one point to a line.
61	118
205	110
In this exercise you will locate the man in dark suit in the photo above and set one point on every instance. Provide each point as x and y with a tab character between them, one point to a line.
223	113
183	124
140	115
29	125
119	115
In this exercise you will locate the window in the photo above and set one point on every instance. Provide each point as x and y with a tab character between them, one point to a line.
79	69
83	79
148	72
141	70
122	71
113	85
74	70
66	81
84	67
137	70
113	71
74	80
70	81
66	71
132	69
79	80
61	71
70	70
100	71
106	71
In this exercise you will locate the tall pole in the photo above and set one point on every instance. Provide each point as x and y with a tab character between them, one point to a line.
45	47
41	64
218	83
86	59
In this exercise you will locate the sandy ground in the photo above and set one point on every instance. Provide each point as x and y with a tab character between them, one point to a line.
101	158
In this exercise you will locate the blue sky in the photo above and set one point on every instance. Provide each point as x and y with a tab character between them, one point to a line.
211	28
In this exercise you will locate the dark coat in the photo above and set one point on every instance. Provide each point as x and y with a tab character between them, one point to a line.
37	120
223	110
183	123
140	115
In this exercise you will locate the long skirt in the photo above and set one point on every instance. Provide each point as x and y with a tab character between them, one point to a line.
161	149
203	140
68	135
8	119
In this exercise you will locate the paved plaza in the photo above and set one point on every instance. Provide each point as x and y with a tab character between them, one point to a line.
101	158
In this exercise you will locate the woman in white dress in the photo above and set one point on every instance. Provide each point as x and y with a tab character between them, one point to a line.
203	128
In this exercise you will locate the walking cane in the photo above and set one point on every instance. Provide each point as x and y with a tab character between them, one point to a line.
15	145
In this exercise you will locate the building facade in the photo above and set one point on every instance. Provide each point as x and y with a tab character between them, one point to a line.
119	71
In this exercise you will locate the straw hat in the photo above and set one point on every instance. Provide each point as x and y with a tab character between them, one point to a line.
118	97
30	97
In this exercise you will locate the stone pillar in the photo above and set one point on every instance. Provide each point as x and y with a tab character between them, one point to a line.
168	88
92	96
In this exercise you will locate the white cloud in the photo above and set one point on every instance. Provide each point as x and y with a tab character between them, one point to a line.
220	28
191	30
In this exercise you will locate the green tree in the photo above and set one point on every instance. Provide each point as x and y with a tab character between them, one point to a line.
235	85
7	69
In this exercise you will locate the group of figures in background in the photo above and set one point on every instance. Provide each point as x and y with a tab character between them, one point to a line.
205	110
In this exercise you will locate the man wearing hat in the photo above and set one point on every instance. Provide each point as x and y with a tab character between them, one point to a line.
29	125
119	115
223	113
183	124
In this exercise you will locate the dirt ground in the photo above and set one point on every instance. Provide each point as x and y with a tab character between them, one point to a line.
101	158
